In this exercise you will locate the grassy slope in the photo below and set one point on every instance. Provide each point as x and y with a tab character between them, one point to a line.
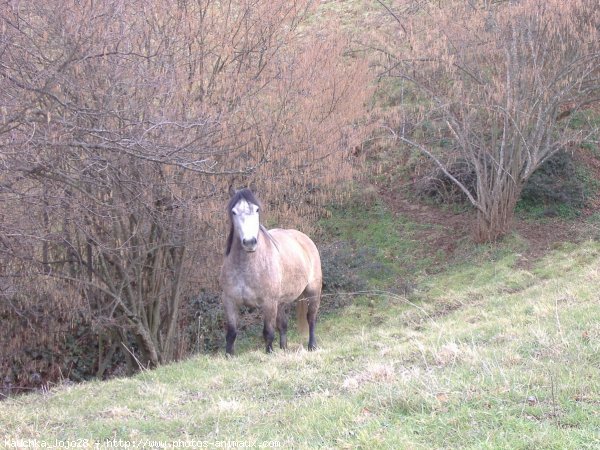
482	355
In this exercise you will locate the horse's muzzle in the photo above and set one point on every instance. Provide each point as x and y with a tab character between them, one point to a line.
249	245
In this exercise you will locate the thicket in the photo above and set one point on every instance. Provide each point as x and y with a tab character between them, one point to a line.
491	85
122	124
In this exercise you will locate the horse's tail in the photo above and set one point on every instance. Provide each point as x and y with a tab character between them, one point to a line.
302	313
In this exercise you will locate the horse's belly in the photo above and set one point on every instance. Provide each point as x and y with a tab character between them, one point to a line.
250	302
246	296
291	291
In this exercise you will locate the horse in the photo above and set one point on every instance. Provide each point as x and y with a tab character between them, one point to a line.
268	269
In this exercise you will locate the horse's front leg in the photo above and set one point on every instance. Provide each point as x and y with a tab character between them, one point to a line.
231	316
282	323
269	316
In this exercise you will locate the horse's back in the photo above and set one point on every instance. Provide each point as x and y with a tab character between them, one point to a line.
300	255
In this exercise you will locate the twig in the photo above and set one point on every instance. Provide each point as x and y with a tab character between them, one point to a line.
553	399
560	332
442	167
138	362
389	10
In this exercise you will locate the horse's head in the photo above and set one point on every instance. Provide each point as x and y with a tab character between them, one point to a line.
245	224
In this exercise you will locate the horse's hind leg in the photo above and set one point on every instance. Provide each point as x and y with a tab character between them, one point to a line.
313	297
282	323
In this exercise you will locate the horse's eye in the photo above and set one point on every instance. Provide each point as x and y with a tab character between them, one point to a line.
234	213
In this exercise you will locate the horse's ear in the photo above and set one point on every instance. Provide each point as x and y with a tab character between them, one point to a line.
231	190
252	186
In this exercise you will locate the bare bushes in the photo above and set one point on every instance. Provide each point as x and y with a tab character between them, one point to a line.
495	81
122	123
41	329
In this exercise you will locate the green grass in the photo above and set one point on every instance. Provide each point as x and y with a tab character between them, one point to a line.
483	355
387	246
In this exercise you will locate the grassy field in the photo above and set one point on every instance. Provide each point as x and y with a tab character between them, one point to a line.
491	352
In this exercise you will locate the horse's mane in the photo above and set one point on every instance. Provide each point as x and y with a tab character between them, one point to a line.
242	194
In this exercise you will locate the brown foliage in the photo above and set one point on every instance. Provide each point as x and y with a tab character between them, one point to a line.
122	123
495	79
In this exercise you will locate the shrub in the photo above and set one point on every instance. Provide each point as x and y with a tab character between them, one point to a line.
556	186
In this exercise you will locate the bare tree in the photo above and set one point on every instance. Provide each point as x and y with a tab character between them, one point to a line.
494	81
123	122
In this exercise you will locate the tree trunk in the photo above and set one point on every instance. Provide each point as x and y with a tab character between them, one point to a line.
496	213
147	347
492	228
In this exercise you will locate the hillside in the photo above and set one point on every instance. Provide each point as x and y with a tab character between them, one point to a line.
489	353
426	340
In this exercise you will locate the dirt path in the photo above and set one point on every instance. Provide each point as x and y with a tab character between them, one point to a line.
448	227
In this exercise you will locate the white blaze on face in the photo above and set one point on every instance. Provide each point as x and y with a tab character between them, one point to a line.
246	223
